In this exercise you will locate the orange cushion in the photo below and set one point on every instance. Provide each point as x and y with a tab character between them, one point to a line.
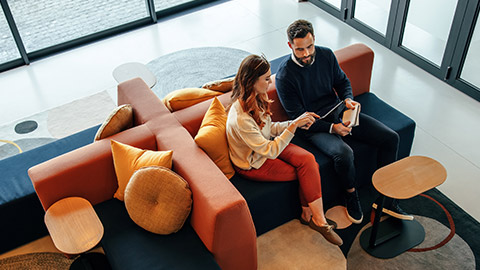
120	118
223	86
212	137
158	200
183	98
127	159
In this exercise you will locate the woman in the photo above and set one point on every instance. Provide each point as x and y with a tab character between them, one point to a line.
260	149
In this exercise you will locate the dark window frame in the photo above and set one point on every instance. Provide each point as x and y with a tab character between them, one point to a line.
461	31
152	18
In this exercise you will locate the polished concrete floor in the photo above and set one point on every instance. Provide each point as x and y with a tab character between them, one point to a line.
447	120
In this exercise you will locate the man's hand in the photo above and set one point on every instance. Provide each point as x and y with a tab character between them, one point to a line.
350	104
342	129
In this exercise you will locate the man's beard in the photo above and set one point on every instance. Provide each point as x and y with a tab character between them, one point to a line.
309	62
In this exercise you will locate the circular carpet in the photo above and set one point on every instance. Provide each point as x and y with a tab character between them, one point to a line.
296	246
456	254
36	261
194	67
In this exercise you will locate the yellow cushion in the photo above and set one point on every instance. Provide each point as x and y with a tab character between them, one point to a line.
183	98
158	200
212	137
127	159
223	86
120	119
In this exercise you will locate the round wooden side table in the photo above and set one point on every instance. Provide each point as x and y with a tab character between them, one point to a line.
402	179
73	225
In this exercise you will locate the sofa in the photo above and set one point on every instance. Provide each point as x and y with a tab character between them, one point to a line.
227	215
272	204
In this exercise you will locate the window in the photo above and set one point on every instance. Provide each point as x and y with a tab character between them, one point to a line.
374	13
9	49
472	64
45	23
166	4
335	3
440	36
428	26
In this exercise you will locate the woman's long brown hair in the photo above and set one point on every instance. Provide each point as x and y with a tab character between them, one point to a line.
250	70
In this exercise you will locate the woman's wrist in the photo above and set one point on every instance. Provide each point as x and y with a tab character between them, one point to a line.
292	126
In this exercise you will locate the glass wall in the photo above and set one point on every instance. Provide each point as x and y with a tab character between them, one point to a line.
45	23
472	64
427	28
165	4
335	3
440	36
8	51
373	13
46	27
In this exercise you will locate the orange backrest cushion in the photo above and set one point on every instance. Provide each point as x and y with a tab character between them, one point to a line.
127	159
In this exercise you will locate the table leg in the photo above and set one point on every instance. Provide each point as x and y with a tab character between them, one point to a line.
392	236
376	222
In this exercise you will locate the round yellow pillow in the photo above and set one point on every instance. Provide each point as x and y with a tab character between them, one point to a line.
158	200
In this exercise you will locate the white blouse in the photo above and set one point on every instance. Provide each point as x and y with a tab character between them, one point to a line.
249	146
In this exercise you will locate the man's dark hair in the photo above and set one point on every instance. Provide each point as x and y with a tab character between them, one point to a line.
299	29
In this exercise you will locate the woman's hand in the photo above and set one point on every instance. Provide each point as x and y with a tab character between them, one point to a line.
304	121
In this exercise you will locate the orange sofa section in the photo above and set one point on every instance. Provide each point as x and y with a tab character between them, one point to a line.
220	215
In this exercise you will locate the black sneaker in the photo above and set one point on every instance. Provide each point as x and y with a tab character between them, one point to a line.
354	210
395	211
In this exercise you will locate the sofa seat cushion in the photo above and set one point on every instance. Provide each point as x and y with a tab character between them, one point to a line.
271	204
392	118
128	246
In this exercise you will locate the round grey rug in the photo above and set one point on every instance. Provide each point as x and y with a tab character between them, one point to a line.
194	67
456	254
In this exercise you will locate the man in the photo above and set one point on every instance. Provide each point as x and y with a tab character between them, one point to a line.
311	80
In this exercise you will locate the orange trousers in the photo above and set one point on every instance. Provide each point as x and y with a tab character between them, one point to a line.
293	163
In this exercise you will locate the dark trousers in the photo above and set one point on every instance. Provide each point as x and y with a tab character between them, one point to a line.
370	131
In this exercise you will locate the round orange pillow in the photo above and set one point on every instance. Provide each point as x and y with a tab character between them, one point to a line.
158	200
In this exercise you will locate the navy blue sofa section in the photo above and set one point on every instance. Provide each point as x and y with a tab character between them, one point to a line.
274	203
128	246
22	216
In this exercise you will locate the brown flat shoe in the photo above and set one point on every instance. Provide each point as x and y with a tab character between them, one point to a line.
303	221
327	232
329	221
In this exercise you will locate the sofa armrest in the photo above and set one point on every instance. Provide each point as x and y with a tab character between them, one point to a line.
146	104
357	62
86	172
220	215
